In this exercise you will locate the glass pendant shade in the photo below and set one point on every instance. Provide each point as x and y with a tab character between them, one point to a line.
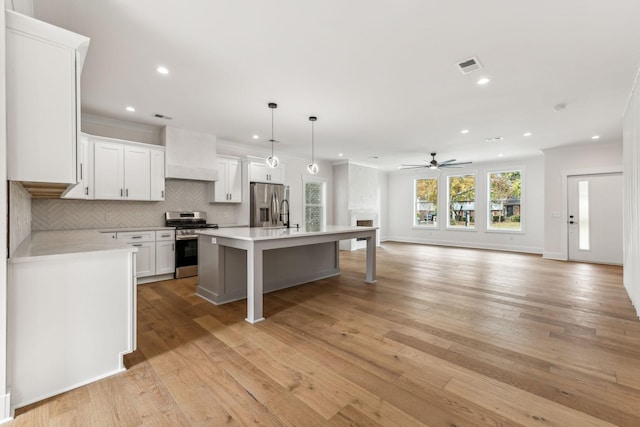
272	161
312	167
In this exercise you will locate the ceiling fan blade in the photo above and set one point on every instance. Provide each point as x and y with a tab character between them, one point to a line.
447	161
413	166
454	165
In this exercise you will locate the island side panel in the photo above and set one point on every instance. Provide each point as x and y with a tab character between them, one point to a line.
223	270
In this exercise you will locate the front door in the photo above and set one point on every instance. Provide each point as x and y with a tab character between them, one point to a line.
595	218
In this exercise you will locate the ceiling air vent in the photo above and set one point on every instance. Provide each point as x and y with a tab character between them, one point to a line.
469	65
162	116
494	139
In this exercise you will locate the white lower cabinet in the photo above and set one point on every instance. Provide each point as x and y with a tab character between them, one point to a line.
165	252
156	253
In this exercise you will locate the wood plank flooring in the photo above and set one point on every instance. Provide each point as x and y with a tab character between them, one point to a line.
447	337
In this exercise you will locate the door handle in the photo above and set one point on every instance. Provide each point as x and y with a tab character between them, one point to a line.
571	222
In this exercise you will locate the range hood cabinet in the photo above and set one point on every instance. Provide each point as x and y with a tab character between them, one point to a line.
189	154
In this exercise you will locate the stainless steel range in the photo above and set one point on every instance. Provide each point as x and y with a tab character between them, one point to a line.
187	225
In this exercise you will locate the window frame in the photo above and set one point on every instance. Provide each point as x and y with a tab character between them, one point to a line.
435	226
488	229
448	225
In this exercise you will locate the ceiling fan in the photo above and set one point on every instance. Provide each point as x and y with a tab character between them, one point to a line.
434	164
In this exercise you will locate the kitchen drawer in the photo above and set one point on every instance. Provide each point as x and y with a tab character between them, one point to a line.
137	236
165	235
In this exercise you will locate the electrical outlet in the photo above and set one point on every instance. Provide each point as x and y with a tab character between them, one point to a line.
138	215
107	216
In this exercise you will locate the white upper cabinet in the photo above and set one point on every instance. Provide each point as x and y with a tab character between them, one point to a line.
124	170
260	172
157	174
228	187
108	170
43	66
83	189
137	173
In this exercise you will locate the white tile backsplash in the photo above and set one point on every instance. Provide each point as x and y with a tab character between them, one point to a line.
181	195
19	215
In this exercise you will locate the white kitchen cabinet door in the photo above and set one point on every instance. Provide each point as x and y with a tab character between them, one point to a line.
157	175
260	172
165	257
108	170
81	189
228	187
43	95
145	259
137	173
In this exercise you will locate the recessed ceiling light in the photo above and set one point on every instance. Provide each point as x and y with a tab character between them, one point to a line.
340	154
464	131
526	134
500	155
595	137
131	109
483	81
162	69
255	137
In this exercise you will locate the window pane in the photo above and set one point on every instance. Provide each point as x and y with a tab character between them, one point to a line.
314	216
583	215
426	207
462	201
504	200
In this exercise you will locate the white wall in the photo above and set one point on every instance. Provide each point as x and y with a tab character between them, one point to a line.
401	201
631	213
560	163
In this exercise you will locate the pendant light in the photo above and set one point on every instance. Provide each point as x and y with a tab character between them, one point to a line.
272	161
312	167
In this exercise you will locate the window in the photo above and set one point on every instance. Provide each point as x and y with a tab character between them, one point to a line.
426	206
505	190
314	205
462	201
583	215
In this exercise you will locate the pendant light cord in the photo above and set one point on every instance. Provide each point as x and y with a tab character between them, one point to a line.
313	155
272	132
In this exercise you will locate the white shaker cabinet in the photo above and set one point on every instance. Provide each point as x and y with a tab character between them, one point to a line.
108	170
157	174
43	64
127	171
145	241
165	252
83	189
228	187
260	172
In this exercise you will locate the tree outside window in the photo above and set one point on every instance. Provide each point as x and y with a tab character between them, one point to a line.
505	192
426	206
462	201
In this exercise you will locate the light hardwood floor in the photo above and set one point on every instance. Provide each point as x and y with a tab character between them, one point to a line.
447	337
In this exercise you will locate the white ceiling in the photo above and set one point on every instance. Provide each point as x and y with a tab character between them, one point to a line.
380	75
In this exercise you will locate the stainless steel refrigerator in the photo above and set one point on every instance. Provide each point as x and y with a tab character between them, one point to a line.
268	205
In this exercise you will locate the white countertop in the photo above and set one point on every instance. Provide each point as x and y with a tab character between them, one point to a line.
261	233
126	229
65	242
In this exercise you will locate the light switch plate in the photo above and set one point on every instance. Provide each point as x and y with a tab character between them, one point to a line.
214	241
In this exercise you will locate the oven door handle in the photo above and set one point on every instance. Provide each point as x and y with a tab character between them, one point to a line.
188	237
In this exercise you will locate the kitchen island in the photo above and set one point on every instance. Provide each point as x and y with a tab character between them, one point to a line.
237	263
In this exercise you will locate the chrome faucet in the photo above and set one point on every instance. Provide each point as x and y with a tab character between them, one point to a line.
284	214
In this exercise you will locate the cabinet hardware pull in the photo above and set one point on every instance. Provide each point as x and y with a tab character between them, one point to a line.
86	191
121	192
136	237
162	194
127	192
80	171
173	247
166	235
139	245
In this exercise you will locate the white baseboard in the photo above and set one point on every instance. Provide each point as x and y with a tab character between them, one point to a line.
558	256
472	245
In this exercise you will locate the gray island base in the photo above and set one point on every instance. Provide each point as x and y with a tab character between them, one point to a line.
237	263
